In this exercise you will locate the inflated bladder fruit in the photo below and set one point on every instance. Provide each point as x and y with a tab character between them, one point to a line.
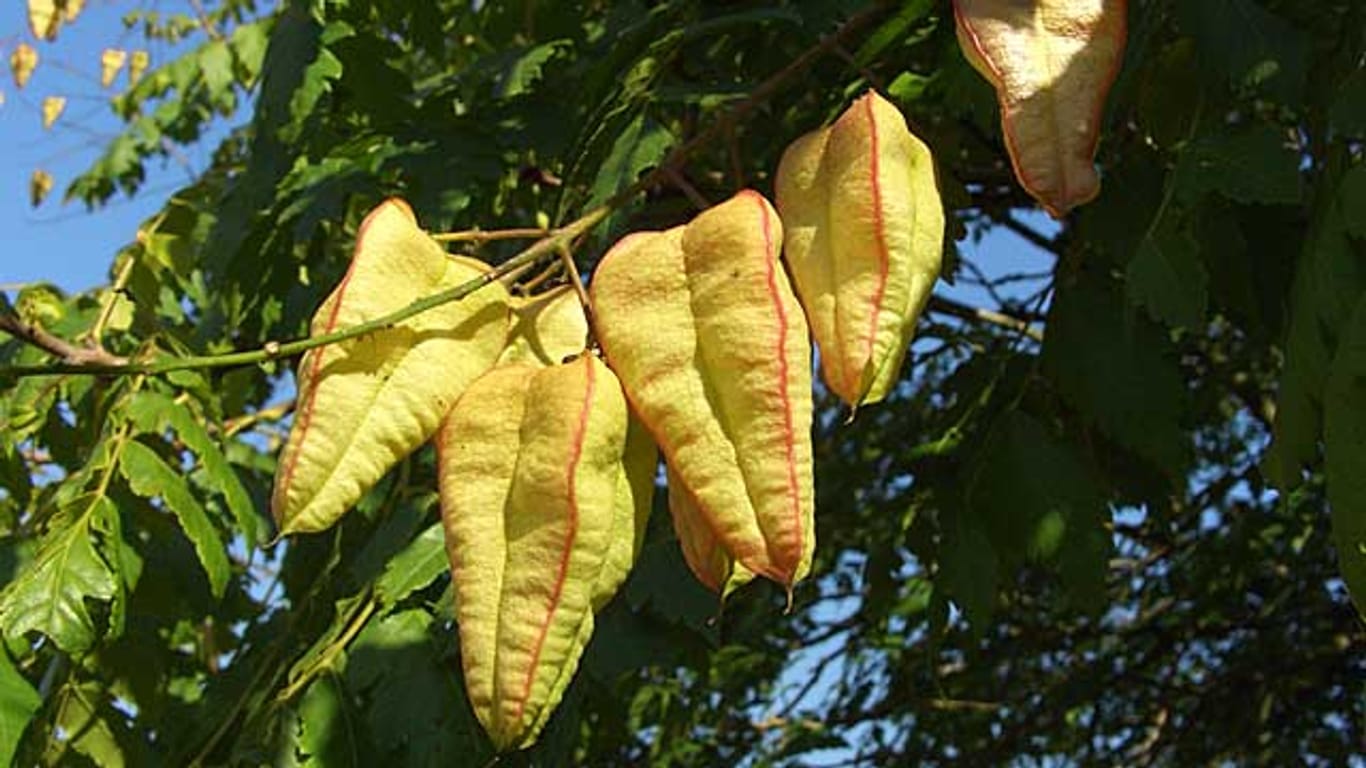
546	328
1052	63
545	488
863	237
706	557
700	323
367	402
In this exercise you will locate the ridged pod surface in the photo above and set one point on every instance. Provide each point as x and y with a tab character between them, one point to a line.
863	237
703	329
367	402
1052	63
544	493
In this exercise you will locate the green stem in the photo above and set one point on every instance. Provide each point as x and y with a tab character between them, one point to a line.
545	248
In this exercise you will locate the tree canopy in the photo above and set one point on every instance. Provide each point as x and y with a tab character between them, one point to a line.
1113	512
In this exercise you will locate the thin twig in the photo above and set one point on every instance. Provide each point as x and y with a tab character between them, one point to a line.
981	314
75	358
490	235
689	191
567	259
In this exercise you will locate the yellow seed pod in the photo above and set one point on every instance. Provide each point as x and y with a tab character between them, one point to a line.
864	232
111	61
704	553
367	402
1052	63
700	323
22	61
53	107
546	329
138	62
544	494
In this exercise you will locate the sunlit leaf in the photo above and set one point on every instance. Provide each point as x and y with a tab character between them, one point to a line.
22	61
53	106
111	61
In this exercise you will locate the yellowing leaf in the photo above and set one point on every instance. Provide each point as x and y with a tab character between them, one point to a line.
53	106
39	185
863	237
138	62
71	9
44	18
22	61
546	329
367	402
544	504
1052	63
111	61
703	329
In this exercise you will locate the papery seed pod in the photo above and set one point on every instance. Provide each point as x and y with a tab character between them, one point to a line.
53	107
546	329
138	62
544	494
44	19
22	61
111	61
704	553
367	402
712	349
1052	63
863	237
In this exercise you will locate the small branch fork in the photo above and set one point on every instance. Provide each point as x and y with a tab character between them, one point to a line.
77	360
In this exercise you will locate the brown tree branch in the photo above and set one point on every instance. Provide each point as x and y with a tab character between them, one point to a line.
68	353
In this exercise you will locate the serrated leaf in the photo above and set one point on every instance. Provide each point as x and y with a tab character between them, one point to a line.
18	702
640	145
151	478
1344	412
327	724
1249	46
1253	165
1328	282
524	70
1167	277
1118	369
367	402
50	596
1037	500
154	411
415	567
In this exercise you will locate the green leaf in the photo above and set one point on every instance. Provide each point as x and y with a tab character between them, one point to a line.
641	144
417	709
50	596
88	727
1252	165
1118	369
1038	501
327	732
968	570
1348	113
1249	46
415	567
525	69
18	702
1167	277
150	477
1328	282
1345	453
154	411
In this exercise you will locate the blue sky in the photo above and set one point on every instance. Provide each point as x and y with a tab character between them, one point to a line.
65	244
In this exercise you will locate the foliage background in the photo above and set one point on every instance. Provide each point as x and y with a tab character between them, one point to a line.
1130	542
